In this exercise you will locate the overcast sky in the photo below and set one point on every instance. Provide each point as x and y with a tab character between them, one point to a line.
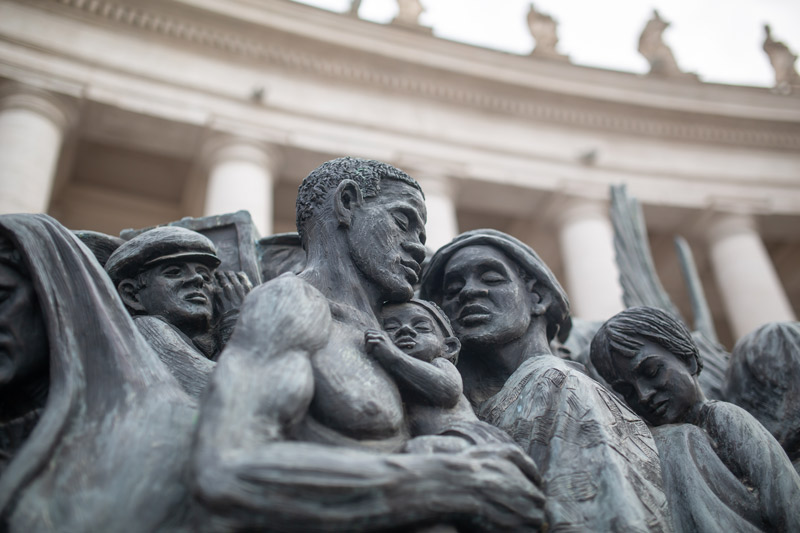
718	39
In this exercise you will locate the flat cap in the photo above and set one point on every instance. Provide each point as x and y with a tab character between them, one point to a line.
559	322
157	245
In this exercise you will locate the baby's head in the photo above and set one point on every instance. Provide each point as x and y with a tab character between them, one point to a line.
420	329
649	357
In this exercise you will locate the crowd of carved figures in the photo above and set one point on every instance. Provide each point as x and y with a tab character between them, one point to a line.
355	381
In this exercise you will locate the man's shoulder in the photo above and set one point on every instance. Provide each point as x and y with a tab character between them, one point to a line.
286	309
289	288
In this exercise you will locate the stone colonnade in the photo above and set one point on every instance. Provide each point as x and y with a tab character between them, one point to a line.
242	173
32	128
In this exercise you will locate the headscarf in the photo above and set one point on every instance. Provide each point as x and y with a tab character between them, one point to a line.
558	319
99	365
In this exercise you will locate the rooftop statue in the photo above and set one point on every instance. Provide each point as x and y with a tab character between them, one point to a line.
722	470
94	431
167	278
408	13
764	378
544	29
782	60
355	5
597	458
300	427
658	54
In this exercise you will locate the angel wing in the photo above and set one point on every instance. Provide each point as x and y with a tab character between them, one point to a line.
642	286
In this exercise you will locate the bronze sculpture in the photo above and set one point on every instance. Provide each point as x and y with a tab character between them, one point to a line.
107	448
316	449
421	356
764	378
722	470
167	278
596	457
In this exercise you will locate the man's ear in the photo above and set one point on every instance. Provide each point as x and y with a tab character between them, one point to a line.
451	347
346	198
128	289
541	298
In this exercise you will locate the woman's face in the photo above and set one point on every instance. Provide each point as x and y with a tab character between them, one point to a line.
23	339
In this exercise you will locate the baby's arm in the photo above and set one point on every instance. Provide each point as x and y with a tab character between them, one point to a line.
437	383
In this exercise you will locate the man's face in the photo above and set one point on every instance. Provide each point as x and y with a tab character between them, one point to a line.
23	339
656	384
386	238
180	292
412	329
485	298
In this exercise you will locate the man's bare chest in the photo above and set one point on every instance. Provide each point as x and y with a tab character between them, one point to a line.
353	394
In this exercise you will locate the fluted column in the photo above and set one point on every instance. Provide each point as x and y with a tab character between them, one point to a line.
32	127
442	225
747	280
587	247
241	175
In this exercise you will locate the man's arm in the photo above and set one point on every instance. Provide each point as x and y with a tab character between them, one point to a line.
249	478
437	383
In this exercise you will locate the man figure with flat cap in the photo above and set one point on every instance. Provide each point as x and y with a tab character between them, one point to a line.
166	278
597	458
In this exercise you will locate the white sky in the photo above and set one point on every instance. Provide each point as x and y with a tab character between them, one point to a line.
718	39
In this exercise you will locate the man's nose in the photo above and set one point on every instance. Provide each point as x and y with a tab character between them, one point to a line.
416	250
195	278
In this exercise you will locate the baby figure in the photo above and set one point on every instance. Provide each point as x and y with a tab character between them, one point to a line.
418	348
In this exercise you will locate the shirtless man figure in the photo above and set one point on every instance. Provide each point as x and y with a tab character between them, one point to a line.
300	428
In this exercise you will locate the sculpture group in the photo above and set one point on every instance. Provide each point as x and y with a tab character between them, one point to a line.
151	389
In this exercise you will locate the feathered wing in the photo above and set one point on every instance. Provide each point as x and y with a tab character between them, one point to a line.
640	282
642	286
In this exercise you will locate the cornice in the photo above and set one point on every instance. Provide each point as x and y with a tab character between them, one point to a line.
149	18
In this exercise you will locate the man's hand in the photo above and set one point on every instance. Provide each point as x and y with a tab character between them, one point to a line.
232	287
507	481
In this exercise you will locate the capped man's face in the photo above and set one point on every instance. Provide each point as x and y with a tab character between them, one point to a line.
180	292
484	297
386	239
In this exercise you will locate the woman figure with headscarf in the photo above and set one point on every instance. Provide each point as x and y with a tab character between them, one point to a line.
94	431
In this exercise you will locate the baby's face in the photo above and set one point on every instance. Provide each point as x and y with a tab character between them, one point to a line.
656	384
414	331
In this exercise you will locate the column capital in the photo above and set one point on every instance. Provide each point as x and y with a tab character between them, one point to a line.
229	147
18	96
573	208
434	185
434	176
721	225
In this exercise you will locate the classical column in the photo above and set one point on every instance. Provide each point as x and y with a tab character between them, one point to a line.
587	247
442	225
241	175
750	288
32	127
